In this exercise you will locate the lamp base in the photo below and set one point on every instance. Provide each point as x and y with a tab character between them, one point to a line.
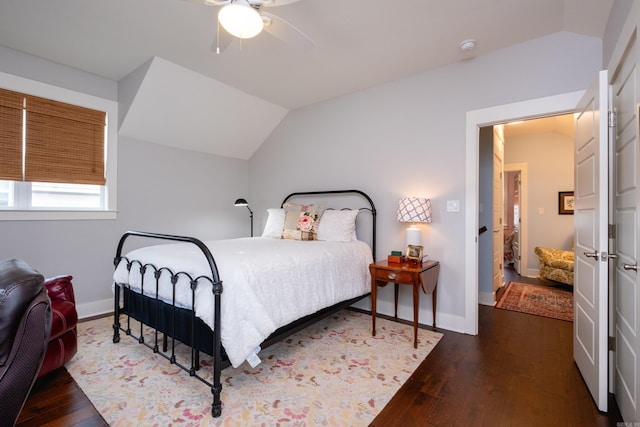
414	236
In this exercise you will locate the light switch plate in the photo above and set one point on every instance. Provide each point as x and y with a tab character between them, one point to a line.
453	205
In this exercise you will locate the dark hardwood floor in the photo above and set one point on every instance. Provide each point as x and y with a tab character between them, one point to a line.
518	371
56	400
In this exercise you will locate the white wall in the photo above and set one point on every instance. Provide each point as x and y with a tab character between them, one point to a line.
403	138
619	13
408	138
160	189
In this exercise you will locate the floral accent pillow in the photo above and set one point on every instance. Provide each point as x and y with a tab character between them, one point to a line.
301	221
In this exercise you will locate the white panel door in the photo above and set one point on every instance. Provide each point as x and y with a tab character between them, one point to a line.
498	209
591	240
626	99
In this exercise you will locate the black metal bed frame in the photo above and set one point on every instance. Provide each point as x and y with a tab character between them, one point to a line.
182	324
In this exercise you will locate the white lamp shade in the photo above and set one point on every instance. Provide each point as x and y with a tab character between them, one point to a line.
414	209
240	19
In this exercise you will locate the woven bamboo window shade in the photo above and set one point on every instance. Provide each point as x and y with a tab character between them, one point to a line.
11	105
64	143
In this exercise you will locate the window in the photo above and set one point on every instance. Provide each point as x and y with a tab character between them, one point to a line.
58	157
46	195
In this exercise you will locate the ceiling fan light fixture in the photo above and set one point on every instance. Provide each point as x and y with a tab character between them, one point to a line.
240	19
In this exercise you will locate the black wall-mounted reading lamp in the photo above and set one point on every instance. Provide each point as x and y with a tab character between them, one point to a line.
243	202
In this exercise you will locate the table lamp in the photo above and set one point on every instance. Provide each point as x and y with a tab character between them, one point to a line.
414	209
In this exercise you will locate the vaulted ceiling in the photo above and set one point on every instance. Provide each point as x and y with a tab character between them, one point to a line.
358	43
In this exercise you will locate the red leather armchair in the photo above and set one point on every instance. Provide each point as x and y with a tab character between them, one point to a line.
63	342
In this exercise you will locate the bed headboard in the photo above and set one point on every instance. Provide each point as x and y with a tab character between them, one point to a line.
370	207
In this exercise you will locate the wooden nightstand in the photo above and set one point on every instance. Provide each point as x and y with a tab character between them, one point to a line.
420	275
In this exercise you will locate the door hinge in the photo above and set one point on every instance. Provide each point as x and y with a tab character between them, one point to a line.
612	344
612	119
612	231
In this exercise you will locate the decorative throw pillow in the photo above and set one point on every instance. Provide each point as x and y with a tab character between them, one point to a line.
338	226
275	223
301	221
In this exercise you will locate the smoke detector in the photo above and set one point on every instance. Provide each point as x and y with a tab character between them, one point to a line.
468	45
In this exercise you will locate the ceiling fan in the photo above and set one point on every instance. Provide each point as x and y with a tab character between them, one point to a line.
246	19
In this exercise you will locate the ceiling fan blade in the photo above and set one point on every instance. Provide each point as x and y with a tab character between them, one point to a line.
287	32
209	2
260	3
213	2
270	3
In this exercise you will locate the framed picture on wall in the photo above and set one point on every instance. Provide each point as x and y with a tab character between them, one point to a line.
565	202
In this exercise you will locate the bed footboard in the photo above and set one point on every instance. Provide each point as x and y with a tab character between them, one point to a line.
149	313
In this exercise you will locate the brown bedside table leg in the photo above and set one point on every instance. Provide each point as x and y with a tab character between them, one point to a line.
373	306
396	299
416	307
434	296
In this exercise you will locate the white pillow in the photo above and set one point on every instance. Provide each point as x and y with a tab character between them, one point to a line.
338	226
275	222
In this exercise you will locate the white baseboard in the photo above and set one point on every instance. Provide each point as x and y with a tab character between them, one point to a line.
486	298
532	273
443	320
94	308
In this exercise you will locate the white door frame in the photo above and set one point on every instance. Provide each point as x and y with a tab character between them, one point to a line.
534	108
524	213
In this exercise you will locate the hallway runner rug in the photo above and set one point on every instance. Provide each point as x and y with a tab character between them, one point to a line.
538	300
331	373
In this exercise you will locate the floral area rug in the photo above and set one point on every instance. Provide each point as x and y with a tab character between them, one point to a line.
538	300
331	373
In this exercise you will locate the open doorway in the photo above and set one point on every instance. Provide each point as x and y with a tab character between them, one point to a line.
538	166
476	119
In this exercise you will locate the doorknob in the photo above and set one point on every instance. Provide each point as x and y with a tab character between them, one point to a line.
633	267
606	256
593	255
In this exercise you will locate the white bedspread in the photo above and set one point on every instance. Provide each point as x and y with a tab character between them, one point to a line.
267	283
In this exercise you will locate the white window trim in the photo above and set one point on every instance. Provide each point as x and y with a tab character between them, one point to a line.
44	90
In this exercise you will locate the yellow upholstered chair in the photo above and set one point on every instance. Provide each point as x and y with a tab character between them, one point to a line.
556	264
